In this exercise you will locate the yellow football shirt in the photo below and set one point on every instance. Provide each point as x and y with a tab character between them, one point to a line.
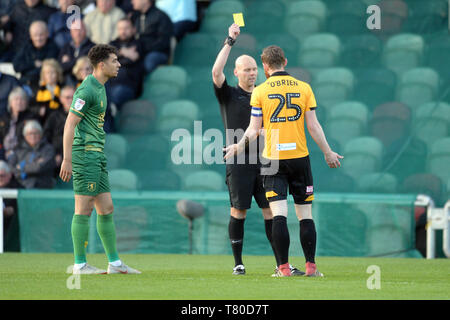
282	101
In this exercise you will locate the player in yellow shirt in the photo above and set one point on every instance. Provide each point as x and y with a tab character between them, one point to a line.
283	104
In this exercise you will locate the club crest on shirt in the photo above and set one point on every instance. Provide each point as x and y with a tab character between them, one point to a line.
91	186
79	103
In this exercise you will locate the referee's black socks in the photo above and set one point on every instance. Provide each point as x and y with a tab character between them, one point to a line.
236	233
308	239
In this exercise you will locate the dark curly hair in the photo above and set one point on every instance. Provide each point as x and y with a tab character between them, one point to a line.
101	52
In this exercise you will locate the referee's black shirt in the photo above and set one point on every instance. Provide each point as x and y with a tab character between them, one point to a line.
235	110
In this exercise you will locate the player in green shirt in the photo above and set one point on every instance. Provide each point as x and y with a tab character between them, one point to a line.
83	142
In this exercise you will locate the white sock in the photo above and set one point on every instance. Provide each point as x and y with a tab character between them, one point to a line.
116	263
79	265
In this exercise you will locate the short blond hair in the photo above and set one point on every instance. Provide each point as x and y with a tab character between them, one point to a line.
56	66
80	61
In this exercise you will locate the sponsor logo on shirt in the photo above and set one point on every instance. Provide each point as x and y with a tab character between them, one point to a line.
79	104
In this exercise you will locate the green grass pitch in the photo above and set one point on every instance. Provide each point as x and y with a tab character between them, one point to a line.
208	277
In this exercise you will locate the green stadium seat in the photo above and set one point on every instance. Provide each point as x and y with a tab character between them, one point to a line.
362	155
116	149
320	50
377	182
203	45
300	74
257	21
333	85
405	157
403	52
164	84
219	16
186	153
346	17
332	181
423	183
394	13
386	240
418	86
148	152
204	180
432	122
200	85
123	180
305	18
245	44
160	180
136	117
347	120
439	158
177	114
361	51
374	86
287	42
390	122
426	17
437	54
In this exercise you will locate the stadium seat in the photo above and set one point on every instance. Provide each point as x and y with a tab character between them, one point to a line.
362	155
136	117
186	153
390	122
418	86
386	240
332	180
257	23
374	86
332	86
200	85
423	183
160	180
393	16
347	120
305	18
403	51
245	44
219	16
123	180
164	84
436	54
439	158
377	182
300	74
116	150
177	114
320	50
405	157
148	152
427	17
346	17
361	51
432	121
287	42
204	180
205	47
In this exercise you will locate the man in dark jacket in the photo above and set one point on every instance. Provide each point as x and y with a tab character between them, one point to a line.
33	161
7	83
22	15
29	60
154	30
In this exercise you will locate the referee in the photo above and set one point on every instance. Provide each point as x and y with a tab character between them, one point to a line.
243	180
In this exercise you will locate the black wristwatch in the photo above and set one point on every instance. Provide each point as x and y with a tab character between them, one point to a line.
230	41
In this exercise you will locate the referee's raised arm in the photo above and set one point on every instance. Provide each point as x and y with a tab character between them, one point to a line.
217	70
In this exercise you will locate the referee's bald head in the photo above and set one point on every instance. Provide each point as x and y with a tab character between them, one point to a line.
243	61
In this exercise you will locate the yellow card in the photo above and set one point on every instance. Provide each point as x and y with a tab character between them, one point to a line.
238	19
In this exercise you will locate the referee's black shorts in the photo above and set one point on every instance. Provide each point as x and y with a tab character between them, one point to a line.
294	174
244	181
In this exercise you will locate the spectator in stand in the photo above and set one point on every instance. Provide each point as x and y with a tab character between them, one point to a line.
86	5
10	222
101	23
154	30
23	14
7	83
126	85
182	13
46	100
33	160
54	126
82	69
6	7
29	60
78	47
57	24
12	123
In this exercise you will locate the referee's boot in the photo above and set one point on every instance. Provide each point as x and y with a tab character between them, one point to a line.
239	270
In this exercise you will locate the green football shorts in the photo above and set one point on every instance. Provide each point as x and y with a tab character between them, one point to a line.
90	176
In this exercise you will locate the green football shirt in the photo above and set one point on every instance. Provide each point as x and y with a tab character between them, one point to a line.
89	103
